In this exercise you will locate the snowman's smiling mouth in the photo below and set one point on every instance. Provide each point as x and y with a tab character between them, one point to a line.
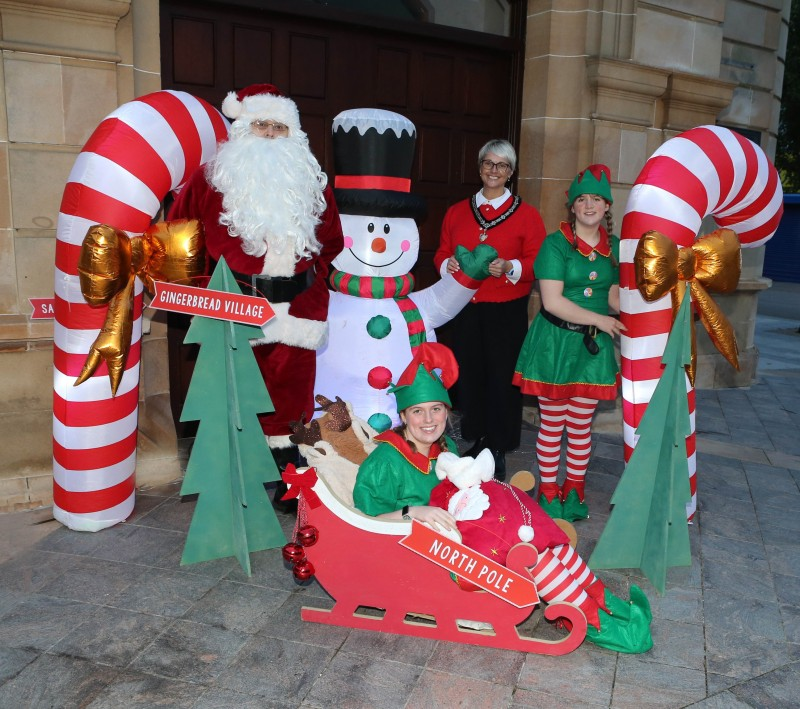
377	265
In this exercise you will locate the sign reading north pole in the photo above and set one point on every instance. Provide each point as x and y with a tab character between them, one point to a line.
235	307
472	566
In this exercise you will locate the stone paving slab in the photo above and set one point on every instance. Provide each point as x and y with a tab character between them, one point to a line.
722	446
57	681
19	531
779	459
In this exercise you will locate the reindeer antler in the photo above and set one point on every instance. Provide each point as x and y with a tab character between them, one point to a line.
305	434
323	401
338	417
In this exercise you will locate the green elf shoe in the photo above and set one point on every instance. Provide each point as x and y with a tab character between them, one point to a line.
573	508
627	627
551	506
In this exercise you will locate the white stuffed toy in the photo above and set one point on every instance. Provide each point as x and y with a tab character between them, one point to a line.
471	501
492	516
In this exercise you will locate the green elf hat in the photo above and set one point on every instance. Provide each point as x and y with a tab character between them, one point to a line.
595	179
419	383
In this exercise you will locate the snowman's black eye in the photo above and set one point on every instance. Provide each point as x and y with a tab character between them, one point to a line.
386	229
370	227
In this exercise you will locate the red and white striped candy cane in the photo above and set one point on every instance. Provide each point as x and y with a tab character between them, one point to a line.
706	171
139	153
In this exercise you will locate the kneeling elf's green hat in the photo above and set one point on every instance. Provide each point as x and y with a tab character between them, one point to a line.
595	179
419	383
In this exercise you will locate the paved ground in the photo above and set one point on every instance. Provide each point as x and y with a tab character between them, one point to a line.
111	619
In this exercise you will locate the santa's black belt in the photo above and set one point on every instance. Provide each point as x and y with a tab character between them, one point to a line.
589	331
276	289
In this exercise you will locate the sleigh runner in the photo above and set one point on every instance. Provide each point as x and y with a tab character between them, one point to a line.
379	583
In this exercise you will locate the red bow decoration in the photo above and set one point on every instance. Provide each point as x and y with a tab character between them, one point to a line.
301	482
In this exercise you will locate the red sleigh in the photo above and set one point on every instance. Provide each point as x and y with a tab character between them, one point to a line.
379	584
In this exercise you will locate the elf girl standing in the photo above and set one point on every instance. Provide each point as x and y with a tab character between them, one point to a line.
567	359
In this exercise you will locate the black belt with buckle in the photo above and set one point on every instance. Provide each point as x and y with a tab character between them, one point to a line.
589	332
276	289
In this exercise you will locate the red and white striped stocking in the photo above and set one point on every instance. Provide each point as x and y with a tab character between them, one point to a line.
554	582
581	572
548	443
579	442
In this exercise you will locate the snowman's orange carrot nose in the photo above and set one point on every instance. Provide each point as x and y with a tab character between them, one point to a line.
379	245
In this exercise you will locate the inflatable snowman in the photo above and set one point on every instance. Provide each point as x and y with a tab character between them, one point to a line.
376	319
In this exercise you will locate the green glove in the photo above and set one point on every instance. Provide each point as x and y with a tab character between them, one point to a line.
475	263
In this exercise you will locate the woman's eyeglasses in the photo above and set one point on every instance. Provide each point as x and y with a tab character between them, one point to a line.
488	165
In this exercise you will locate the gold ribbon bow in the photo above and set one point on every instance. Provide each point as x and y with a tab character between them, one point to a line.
108	265
713	262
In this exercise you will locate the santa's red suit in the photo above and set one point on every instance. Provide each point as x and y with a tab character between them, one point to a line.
286	354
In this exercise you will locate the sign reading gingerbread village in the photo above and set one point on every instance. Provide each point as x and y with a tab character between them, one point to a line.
220	305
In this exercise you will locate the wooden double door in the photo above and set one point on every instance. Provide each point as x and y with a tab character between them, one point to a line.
459	88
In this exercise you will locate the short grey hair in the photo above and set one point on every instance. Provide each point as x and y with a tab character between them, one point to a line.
502	148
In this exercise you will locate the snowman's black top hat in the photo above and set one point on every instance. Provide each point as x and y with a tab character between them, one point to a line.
372	152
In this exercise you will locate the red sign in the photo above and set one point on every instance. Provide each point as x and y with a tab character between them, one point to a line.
472	566
43	308
235	307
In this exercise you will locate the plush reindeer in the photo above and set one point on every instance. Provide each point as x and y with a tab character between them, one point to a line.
335	444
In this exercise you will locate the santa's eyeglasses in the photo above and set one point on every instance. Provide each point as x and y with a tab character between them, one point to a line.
264	127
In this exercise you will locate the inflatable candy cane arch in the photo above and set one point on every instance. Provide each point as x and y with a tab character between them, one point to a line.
139	153
705	171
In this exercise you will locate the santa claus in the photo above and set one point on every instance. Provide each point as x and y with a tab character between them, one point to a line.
267	208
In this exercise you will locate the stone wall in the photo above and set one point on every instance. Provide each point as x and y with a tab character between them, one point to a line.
65	65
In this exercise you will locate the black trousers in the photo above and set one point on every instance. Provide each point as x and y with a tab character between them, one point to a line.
487	338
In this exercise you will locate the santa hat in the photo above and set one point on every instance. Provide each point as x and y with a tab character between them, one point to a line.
262	102
419	383
595	179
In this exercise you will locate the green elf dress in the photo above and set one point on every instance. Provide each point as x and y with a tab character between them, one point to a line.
554	362
393	475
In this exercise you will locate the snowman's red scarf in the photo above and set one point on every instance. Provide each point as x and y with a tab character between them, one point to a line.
371	286
378	287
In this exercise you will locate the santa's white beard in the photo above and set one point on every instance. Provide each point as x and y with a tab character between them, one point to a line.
271	197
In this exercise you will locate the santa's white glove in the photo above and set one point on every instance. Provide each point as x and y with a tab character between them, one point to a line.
293	331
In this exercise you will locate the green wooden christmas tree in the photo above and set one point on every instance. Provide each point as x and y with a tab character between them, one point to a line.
647	528
230	459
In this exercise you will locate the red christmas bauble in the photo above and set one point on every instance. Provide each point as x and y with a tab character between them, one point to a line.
303	570
307	535
293	552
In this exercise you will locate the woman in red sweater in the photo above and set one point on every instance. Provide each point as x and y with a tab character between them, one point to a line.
488	333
